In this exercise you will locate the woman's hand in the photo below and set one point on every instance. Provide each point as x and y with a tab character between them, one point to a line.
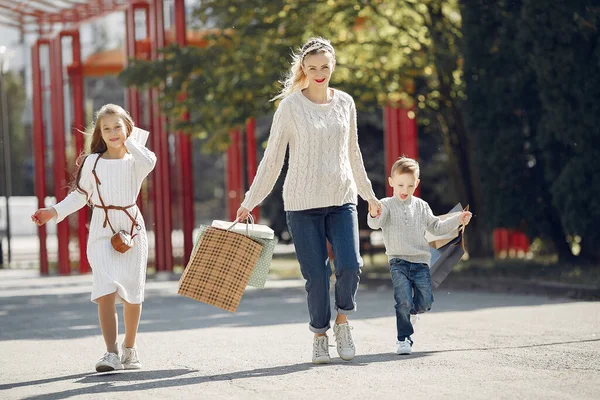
43	215
375	208
242	214
465	218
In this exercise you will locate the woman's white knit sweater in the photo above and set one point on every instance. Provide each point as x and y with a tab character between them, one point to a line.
325	165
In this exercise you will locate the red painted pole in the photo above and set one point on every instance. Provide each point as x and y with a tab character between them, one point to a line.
79	124
251	158
155	123
240	169
234	175
133	96
229	182
185	152
133	99
60	168
163	222
39	146
407	144
392	140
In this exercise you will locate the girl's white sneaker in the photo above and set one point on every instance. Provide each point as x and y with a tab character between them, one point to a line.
130	359
109	362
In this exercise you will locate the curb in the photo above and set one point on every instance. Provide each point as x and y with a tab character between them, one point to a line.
503	285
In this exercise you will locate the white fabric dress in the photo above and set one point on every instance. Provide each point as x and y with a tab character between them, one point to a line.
121	181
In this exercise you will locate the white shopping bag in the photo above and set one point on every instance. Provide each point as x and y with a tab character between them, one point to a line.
253	230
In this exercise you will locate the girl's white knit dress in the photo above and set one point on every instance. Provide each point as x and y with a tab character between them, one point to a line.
121	180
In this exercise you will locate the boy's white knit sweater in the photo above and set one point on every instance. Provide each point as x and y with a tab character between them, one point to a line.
325	163
404	224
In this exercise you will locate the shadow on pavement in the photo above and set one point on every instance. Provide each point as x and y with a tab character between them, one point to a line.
64	316
155	379
92	377
510	347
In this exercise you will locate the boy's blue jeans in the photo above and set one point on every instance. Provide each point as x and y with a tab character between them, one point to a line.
412	292
310	230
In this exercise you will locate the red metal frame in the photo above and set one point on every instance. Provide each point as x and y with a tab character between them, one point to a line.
131	49
407	134
185	151
76	79
234	174
400	138
43	15
39	145
58	145
251	158
164	247
35	13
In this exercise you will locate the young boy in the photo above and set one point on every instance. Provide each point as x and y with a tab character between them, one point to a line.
404	219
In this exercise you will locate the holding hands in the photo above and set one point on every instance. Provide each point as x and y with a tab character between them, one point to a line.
375	208
43	215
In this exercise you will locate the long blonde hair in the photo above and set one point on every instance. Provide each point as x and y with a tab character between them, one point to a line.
98	145
295	79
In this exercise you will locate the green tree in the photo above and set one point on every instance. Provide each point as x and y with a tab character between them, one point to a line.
565	55
19	145
388	52
503	112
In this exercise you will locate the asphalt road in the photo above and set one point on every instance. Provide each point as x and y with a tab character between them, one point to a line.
471	346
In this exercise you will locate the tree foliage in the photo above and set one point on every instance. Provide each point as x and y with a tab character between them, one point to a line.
388	52
381	46
534	68
566	58
22	183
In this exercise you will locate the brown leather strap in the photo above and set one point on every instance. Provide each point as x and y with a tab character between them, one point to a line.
104	207
462	228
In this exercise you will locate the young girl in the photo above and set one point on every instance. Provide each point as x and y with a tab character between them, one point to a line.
325	174
109	179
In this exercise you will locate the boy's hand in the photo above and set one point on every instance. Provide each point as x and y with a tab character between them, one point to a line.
43	215
375	208
465	217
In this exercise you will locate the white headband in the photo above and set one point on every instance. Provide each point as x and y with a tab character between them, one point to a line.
317	46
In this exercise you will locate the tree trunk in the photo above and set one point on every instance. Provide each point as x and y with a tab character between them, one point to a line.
456	141
590	251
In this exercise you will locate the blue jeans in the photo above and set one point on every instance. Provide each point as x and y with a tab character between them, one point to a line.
412	292
310	230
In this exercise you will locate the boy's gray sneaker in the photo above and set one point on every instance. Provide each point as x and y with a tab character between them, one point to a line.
130	358
343	339
404	347
321	350
109	362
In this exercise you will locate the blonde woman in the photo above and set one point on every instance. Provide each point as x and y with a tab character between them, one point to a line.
325	174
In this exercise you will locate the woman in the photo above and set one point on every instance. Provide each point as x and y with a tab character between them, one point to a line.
325	174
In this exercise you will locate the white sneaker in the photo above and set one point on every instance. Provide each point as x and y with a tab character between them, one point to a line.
343	339
130	359
404	347
321	350
109	362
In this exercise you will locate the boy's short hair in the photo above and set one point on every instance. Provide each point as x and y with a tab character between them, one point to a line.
406	165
